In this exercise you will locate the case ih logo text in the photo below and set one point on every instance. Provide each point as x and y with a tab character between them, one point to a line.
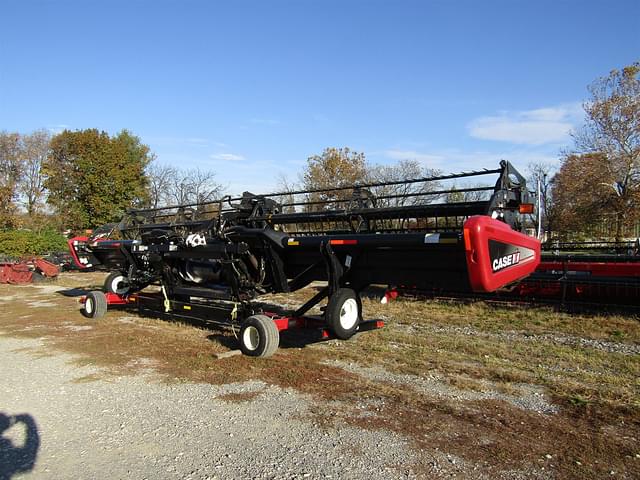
506	261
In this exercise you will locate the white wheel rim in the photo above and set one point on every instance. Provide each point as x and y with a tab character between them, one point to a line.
119	285
88	306
251	338
349	313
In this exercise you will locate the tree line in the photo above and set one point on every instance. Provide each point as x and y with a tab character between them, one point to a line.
85	178
593	194
82	179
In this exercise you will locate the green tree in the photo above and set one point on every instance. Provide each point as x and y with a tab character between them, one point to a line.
92	178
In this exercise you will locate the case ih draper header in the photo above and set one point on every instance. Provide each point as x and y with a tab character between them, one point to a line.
223	254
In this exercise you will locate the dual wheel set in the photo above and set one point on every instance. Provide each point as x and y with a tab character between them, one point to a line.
259	335
96	303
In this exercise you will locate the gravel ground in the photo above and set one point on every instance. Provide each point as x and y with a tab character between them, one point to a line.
529	398
137	427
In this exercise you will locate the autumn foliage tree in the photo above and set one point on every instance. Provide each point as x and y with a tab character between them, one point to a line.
334	168
601	179
589	205
92	177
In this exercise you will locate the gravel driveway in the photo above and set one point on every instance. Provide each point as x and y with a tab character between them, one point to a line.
81	426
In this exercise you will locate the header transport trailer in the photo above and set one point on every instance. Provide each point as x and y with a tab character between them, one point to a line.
417	232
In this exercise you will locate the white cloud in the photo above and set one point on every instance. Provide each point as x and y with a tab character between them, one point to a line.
550	125
227	157
55	129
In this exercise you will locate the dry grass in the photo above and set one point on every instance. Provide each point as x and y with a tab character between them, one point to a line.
508	345
238	397
474	347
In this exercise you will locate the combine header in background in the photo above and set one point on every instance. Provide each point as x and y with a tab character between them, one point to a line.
417	232
587	273
27	270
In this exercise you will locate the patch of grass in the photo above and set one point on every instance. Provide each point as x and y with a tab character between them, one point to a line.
578	401
497	319
93	377
239	397
465	340
619	335
464	382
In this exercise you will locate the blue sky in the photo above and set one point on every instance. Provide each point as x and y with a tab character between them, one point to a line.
250	89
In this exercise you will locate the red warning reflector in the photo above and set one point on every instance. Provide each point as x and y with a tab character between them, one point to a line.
526	208
343	242
467	240
379	323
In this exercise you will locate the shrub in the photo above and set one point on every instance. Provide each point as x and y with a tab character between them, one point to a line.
20	243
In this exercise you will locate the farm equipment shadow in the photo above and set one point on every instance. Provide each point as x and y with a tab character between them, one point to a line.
16	459
208	318
76	292
225	333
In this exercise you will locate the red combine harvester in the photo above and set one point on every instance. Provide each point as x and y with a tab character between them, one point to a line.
224	254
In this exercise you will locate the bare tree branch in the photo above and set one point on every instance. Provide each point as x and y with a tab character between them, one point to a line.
172	186
35	149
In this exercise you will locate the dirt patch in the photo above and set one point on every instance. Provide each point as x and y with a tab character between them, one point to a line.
40	304
504	439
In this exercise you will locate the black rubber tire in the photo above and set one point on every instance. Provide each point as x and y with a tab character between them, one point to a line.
95	305
344	313
37	277
110	285
259	336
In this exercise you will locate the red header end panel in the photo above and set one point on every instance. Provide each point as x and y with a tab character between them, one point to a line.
496	254
75	244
